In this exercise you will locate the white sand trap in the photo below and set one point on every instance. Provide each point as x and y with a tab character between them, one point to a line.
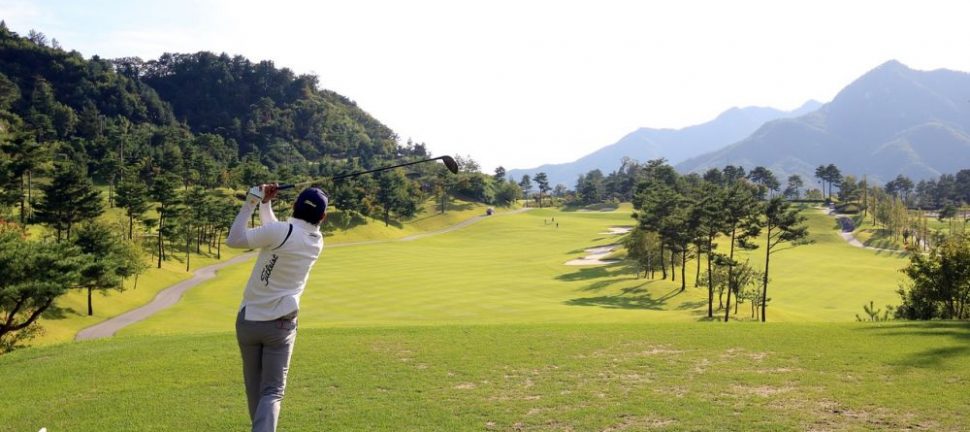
594	256
618	230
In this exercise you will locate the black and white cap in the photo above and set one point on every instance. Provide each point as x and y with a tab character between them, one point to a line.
312	201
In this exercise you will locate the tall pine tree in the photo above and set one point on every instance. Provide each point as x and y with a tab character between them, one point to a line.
68	199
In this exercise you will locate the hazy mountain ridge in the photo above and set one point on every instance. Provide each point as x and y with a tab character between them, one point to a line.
675	145
892	120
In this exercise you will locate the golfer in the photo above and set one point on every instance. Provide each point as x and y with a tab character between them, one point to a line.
266	323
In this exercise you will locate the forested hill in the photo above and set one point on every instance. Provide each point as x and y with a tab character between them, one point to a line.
200	121
214	108
261	107
60	94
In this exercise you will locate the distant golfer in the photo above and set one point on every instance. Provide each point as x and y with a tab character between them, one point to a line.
266	323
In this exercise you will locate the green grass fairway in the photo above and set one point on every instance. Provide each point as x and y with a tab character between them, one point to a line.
828	280
427	220
72	316
566	377
510	269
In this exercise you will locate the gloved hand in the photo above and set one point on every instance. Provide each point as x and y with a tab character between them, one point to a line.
255	195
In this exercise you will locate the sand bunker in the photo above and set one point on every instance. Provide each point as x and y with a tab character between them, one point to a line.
618	230
594	256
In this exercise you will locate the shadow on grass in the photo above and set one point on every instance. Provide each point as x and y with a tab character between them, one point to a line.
55	312
587	273
885	246
596	286
394	223
691	305
700	312
958	330
607	274
631	298
892	253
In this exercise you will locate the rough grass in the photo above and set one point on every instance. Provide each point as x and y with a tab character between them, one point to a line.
563	377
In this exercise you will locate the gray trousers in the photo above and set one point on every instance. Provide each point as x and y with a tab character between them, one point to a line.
266	347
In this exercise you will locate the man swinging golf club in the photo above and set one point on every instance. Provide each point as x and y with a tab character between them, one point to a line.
266	323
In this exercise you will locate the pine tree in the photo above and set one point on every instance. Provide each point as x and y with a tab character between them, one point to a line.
132	195
69	198
783	224
34	275
543	181
164	190
108	259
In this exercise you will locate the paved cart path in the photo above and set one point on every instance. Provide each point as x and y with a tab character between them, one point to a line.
165	298
171	295
848	227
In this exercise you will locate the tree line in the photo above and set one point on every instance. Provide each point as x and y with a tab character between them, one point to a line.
684	217
620	185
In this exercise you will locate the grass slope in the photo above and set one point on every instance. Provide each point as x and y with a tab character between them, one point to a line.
565	377
828	280
509	269
429	219
70	313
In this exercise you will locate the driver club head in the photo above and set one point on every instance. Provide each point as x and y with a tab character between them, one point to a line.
450	164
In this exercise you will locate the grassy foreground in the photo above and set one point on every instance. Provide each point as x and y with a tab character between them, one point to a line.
635	377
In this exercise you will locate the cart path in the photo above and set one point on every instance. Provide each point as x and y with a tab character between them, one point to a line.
848	227
171	295
165	298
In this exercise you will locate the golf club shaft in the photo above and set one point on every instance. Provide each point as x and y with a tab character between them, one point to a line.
447	159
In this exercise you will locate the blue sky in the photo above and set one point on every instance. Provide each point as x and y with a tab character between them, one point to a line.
520	83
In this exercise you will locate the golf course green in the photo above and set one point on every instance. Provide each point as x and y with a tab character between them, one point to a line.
511	269
487	328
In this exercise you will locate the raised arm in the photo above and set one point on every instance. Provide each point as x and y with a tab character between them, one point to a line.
241	237
237	233
266	212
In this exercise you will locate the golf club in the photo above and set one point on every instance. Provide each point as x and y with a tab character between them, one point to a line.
448	161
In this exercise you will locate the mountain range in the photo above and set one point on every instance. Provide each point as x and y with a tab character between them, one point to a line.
675	145
892	120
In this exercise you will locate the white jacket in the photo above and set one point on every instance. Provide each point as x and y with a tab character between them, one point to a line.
287	252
